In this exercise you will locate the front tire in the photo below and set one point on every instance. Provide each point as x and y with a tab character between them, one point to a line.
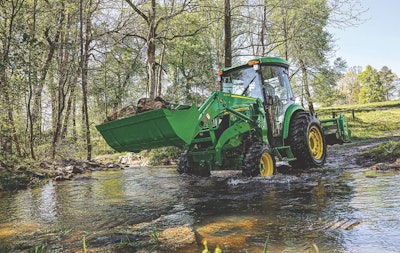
259	160
185	167
306	141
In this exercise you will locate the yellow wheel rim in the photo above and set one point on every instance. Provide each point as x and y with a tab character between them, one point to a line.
266	165
316	142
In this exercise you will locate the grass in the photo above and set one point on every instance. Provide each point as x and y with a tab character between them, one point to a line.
125	243
372	120
385	152
40	249
357	107
266	244
370	123
84	244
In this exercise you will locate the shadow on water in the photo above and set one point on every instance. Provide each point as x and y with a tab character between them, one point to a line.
321	210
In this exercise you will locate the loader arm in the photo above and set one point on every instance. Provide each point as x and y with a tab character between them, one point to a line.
183	125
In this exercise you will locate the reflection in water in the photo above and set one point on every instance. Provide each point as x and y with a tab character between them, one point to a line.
325	210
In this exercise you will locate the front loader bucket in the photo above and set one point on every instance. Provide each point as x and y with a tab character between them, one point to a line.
152	129
336	130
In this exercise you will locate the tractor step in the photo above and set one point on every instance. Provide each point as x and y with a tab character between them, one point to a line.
284	153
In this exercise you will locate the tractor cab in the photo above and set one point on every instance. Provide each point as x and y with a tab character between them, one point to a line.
266	79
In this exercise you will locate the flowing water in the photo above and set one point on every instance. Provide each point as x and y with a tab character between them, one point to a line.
338	208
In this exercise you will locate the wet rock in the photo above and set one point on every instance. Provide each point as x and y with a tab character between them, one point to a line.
132	159
386	166
46	166
69	168
231	231
90	164
60	178
177	237
77	170
381	166
112	166
37	174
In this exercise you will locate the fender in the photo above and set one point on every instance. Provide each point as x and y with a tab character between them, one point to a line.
288	116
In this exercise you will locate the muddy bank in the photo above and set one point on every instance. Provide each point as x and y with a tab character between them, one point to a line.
22	176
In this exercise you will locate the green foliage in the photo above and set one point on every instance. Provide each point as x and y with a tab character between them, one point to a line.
325	83
40	249
5	247
385	152
155	240
372	89
371	120
41	76
164	156
349	88
125	242
84	244
266	244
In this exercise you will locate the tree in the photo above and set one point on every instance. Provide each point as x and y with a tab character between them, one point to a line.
228	33
372	89
349	86
326	92
156	18
387	78
303	38
11	19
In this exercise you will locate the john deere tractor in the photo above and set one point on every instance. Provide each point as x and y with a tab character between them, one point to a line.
247	125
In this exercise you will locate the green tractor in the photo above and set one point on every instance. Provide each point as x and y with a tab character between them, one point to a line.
246	126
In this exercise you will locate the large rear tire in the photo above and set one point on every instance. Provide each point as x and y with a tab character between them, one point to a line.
307	141
259	160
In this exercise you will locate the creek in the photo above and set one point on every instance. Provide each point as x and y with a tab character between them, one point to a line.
337	208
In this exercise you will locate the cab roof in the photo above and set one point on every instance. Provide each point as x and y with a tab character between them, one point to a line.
263	60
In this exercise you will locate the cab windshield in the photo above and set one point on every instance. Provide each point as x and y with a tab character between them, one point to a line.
247	82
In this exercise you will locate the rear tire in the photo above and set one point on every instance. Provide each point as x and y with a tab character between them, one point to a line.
306	141
259	160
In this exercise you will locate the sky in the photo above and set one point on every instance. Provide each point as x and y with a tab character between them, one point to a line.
376	41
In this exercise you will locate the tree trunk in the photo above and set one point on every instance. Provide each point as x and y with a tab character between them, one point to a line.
151	52
84	63
228	34
306	86
160	69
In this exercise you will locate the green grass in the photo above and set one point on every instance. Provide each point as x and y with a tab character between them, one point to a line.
266	244
377	105
385	152
372	120
369	122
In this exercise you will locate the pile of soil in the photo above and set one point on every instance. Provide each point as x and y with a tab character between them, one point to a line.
143	105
